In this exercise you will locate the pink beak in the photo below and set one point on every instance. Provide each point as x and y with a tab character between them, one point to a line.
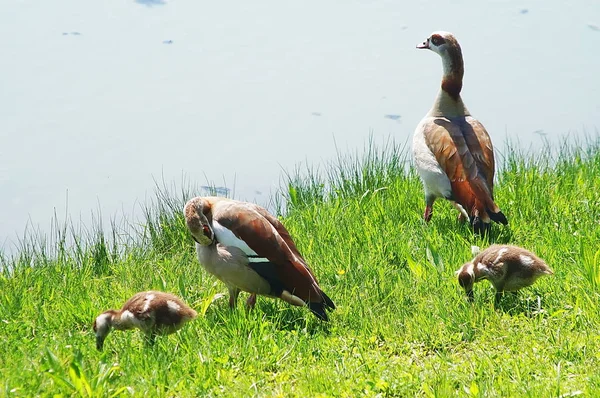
425	44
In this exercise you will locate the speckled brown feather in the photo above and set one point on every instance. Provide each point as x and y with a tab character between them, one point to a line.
158	309
510	263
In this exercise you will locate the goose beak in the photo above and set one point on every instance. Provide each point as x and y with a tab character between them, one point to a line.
425	44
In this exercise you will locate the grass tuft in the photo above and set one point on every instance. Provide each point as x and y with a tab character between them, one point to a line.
402	326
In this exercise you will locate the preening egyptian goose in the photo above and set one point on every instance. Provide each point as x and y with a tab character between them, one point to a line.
250	250
508	268
452	150
154	313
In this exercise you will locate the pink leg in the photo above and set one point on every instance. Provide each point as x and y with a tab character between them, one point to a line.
428	213
251	302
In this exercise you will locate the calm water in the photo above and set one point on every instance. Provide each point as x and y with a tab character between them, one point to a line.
99	98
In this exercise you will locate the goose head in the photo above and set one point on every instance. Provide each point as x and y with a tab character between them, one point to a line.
197	214
446	46
439	42
102	327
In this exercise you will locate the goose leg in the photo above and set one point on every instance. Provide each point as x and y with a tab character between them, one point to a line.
428	208
233	296
462	216
251	302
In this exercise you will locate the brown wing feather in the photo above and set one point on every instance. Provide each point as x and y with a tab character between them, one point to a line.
285	235
464	150
270	240
136	303
480	145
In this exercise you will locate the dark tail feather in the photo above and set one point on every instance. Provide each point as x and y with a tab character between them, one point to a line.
499	217
328	301
319	308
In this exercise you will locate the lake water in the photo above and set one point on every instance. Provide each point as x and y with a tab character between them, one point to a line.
100	98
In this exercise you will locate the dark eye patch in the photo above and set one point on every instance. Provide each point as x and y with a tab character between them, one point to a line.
437	40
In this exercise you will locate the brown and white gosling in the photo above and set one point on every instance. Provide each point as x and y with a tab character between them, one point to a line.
509	268
154	313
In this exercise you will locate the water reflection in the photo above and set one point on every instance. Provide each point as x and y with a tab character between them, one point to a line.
151	3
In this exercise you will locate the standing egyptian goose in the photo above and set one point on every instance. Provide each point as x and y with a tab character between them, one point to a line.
249	250
154	313
509	268
452	150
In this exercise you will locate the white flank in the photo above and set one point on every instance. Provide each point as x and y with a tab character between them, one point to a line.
434	179
501	253
227	238
526	260
147	302
173	306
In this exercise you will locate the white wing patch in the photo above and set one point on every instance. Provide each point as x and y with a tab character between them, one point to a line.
526	260
228	238
257	260
501	253
147	302
173	306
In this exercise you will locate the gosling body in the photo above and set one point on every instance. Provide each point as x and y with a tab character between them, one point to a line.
154	313
507	267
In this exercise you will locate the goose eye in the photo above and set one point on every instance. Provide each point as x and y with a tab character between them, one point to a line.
435	40
206	230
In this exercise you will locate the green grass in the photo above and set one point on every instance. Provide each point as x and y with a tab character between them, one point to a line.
402	326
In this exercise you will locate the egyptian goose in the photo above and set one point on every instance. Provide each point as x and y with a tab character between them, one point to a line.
452	150
154	313
508	268
249	250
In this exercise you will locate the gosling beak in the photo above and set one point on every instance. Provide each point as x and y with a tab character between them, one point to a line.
470	296
99	343
425	44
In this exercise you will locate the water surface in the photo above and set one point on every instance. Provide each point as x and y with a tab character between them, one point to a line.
100	98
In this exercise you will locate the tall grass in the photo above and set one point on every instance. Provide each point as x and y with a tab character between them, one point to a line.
402	326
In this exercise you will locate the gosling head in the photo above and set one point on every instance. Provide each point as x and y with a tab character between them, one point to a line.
466	279
197	213
102	326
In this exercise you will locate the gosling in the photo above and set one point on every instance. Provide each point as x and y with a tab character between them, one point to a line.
154	313
509	268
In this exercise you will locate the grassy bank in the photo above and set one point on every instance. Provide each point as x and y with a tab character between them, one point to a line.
402	327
